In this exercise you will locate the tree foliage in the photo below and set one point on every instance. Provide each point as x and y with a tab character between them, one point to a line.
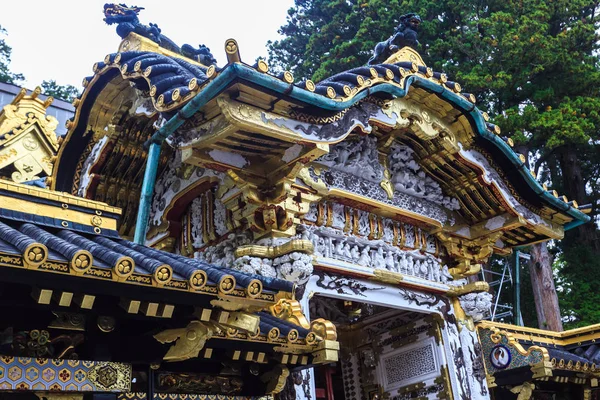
532	63
63	92
6	75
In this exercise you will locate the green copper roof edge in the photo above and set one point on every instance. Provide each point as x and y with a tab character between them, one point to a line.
512	156
238	70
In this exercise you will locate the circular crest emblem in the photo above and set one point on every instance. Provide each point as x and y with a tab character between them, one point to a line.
500	356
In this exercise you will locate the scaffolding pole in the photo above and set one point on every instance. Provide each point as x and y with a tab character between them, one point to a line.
517	306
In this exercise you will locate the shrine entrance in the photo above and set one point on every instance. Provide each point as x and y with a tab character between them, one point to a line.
382	350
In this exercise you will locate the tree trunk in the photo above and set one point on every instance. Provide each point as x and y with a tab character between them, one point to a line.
574	186
544	292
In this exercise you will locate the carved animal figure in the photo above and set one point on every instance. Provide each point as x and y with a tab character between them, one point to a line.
202	54
357	116
188	341
127	21
405	35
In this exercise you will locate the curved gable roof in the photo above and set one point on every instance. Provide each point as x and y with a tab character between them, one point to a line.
180	89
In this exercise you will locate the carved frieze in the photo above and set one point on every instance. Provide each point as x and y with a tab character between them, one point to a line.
358	237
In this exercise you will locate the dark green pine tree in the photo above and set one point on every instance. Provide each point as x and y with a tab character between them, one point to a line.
6	75
62	92
534	64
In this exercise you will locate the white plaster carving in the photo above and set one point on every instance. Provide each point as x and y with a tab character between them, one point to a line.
311	214
409	364
89	162
291	153
197	223
476	305
169	184
333	243
495	223
222	254
255	265
407	177
295	267
220	217
358	157
334	178
225	157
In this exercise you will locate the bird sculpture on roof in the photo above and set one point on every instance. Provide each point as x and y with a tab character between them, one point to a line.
405	35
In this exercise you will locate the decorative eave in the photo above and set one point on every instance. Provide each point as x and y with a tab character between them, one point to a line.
539	355
53	242
339	93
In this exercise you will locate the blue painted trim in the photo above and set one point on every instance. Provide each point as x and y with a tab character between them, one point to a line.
141	223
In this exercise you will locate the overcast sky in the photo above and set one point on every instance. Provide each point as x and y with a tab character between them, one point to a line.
62	39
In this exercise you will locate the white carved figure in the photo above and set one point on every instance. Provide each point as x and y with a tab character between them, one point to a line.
321	247
311	214
305	234
358	158
364	226
476	305
403	263
446	276
388	232
424	269
347	251
355	253
410	270
339	219
389	261
339	248
196	223
417	267
365	258
220	218
379	259
410	236
437	272
430	268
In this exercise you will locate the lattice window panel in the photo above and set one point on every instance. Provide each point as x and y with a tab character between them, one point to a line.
408	365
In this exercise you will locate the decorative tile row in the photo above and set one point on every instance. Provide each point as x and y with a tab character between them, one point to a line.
47	374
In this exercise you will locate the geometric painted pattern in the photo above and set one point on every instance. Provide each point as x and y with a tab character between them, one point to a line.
518	360
48	374
174	396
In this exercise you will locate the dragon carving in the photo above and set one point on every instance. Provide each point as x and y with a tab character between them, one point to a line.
404	35
127	22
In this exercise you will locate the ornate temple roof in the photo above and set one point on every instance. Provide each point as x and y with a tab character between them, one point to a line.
45	236
318	115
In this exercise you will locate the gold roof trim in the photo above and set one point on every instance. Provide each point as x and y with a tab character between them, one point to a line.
591	332
57	196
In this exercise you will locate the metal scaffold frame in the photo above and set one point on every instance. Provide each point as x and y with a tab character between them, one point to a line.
504	310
